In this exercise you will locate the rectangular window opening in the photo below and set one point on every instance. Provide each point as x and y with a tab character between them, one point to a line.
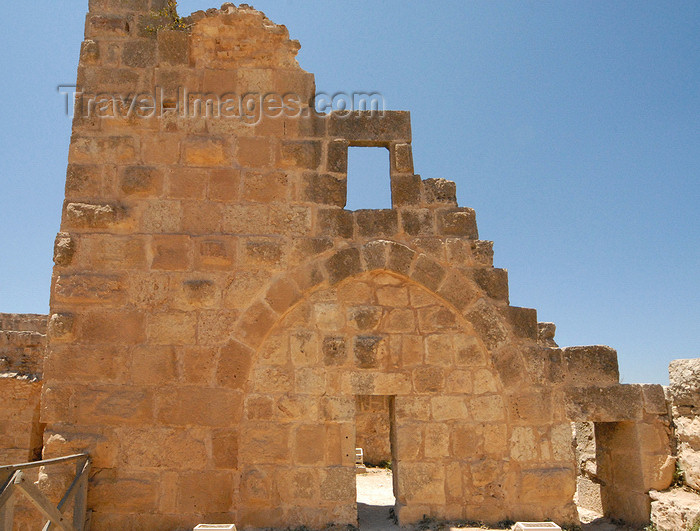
369	181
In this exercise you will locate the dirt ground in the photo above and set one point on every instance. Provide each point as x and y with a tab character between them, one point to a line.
375	501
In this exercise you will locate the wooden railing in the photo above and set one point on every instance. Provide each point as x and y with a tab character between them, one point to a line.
14	483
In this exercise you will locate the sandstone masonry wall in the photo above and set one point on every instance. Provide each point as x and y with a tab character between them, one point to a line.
22	343
22	349
679	508
684	393
215	311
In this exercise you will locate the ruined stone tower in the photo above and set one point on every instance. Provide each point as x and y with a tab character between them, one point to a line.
216	312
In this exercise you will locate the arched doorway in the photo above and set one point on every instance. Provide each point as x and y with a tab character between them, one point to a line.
374	334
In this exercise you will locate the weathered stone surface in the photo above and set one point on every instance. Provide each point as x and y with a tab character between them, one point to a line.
23	322
604	404
82	215
488	324
428	272
403	158
689	463
83	180
207	152
523	321
417	222
366	128
173	47
654	399
141	181
675	509
544	365
405	190
684	376
335	222
422	482
334	350
343	264
540	484
684	401
126	6
300	154
100	326
88	289
22	345
369	352
400	258
234	365
376	223
338	156
439	191
493	281
545	334
139	53
324	189
457	222
103	25
216	312
64	249
594	365
20	440
61	326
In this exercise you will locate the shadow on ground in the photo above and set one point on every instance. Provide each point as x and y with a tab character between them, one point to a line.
375	517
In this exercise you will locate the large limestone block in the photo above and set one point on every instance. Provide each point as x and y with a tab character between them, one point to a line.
547	484
688	435
684	390
588	495
591	365
675	510
688	431
684	376
421	483
689	462
613	403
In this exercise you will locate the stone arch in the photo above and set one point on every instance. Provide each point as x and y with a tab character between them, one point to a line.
448	283
375	332
524	465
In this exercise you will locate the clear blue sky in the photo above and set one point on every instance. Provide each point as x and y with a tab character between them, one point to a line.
572	128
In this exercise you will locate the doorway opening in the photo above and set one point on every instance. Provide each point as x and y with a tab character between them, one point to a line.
375	478
588	492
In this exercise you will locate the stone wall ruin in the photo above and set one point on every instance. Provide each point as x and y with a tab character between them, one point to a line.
22	350
22	347
216	312
679	507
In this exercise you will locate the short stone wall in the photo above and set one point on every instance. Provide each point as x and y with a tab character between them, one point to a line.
678	509
684	393
22	343
20	431
22	346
